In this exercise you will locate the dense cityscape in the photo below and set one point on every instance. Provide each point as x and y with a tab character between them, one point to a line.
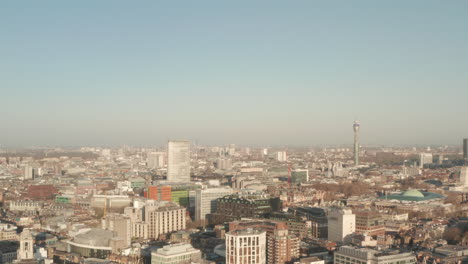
186	203
234	132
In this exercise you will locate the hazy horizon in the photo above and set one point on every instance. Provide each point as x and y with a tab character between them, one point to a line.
243	72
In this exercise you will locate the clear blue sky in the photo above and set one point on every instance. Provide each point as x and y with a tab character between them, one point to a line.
246	72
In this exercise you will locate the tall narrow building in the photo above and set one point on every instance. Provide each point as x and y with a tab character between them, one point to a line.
356	127
26	249
465	150
246	247
178	161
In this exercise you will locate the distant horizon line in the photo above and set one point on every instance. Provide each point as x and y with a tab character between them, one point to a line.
193	143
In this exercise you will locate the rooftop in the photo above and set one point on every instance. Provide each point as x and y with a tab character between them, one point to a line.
175	249
412	195
94	237
248	231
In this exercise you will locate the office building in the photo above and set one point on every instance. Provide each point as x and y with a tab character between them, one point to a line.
29	173
356	127
299	176
205	201
297	225
181	193
425	158
163	218
120	224
223	164
156	160
317	217
465	150
341	224
8	251
370	223
234	207
176	254
281	156
178	161
246	247
352	255
464	177
110	201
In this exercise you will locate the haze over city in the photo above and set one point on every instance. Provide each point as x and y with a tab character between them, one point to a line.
234	132
244	72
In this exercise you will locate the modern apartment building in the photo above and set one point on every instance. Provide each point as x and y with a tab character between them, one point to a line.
246	247
282	246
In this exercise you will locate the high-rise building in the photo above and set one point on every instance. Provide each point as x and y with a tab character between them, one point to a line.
223	164
465	150
356	127
205	201
282	246
425	158
26	248
281	156
120	224
246	247
176	254
156	160
341	223
29	173
178	161
464	177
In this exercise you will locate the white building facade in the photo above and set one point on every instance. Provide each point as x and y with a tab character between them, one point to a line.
205	201
246	247
178	161
341	223
175	254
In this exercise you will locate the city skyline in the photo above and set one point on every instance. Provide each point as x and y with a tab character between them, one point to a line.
242	72
234	132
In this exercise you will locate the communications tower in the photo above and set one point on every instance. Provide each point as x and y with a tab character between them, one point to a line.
356	127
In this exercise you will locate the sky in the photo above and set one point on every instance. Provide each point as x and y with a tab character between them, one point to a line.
114	72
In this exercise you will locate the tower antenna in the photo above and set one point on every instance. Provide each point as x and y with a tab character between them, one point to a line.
356	127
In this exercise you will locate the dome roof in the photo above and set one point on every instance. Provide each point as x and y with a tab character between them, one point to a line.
413	193
94	237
